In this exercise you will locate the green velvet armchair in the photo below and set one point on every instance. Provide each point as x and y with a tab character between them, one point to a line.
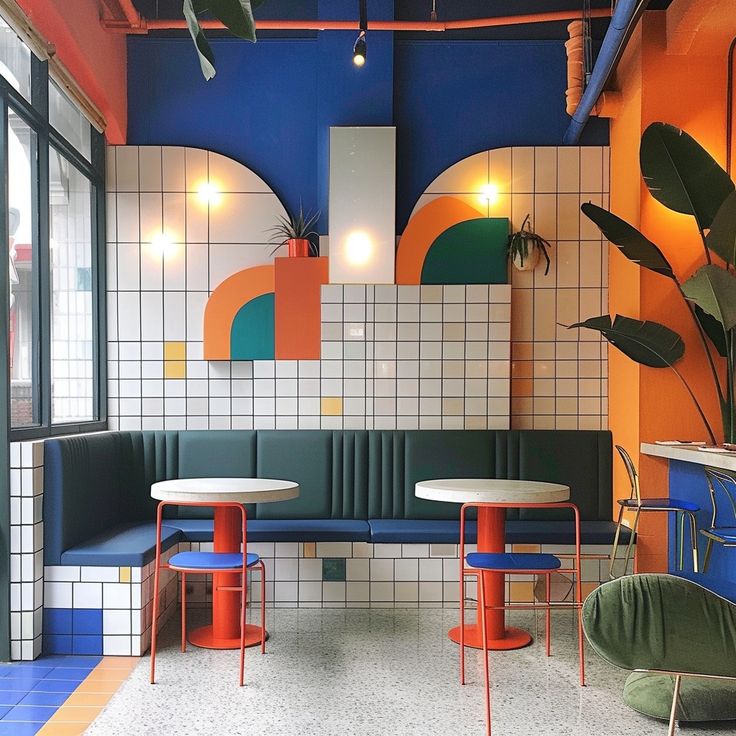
666	628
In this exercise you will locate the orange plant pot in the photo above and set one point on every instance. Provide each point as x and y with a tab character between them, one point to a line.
298	247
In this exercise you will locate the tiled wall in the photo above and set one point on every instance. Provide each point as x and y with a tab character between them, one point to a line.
558	375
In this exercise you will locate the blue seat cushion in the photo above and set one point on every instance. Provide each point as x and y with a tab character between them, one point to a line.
726	533
512	561
132	544
419	531
724	588
308	530
211	560
193	530
670	504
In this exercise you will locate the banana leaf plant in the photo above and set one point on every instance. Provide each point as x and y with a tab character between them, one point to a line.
682	175
236	16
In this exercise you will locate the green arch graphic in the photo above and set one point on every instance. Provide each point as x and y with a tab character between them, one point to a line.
471	252
252	333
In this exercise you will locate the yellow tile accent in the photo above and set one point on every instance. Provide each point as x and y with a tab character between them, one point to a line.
332	406
60	728
113	662
77	713
310	549
175	369
124	574
99	699
99	686
175	351
522	591
525	547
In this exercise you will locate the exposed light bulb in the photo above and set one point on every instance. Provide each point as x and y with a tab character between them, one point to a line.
208	193
359	50
162	244
489	193
358	248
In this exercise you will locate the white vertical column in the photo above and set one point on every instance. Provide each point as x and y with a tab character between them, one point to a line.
362	205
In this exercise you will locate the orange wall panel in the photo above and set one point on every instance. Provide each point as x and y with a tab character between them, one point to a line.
298	312
96	59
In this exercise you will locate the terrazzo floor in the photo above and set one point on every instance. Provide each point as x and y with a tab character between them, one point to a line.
366	672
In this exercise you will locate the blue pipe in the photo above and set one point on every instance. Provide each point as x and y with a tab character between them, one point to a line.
610	48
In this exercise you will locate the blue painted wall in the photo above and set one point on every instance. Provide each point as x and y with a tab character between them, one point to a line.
272	103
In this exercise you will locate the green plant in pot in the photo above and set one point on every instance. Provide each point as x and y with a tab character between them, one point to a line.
682	175
525	248
297	233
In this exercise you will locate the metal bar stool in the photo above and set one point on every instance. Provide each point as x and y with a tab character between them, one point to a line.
639	505
717	532
195	562
524	563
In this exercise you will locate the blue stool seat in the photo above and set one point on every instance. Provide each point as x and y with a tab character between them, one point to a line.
211	560
727	533
660	504
512	561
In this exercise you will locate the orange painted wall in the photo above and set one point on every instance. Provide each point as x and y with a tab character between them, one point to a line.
647	404
96	59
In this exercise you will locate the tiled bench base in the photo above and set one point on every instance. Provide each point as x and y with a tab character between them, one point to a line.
107	610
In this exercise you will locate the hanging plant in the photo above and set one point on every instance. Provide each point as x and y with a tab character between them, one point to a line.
525	247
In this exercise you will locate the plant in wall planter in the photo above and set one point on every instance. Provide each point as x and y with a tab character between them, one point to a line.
682	175
295	232
525	248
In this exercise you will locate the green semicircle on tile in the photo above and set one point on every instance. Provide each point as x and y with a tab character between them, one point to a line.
252	333
471	252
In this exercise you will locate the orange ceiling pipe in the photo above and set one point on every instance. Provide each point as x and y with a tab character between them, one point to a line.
144	25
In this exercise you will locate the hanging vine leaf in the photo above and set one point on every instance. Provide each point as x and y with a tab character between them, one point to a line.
722	236
681	174
713	289
633	244
714	330
646	343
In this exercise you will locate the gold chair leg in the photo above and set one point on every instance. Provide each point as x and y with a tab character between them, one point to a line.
694	540
673	711
680	517
630	545
614	550
708	550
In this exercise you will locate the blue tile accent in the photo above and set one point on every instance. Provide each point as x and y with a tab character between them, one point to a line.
20	683
87	644
11	697
57	621
55	686
56	660
27	670
87	621
41	698
66	673
9	728
57	644
4	709
30	713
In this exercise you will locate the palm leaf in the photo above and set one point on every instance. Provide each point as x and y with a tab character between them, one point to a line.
681	174
722	236
633	244
236	15
714	330
206	57
647	343
713	289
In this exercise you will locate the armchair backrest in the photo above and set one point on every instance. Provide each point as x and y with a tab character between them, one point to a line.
662	622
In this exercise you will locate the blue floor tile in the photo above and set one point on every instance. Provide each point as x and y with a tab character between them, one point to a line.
4	709
8	728
28	669
41	698
67	673
30	713
56	686
4	671
19	683
11	697
71	660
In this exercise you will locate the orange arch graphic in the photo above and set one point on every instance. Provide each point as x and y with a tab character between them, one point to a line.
423	229
224	303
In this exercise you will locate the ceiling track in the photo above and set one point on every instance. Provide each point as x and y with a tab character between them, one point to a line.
134	23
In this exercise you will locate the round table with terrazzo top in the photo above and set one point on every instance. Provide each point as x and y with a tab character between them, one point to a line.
224	632
492	538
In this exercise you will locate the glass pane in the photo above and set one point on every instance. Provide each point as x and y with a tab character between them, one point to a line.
23	326
66	117
15	60
72	327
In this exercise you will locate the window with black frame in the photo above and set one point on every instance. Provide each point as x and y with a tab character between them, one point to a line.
54	160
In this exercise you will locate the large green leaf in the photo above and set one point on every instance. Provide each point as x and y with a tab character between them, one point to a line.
646	343
713	289
722	236
237	15
714	329
633	244
206	57
681	174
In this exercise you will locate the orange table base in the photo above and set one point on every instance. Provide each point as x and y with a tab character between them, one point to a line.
492	538
224	632
204	637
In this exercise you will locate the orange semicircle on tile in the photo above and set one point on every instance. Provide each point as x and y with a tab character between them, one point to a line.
423	229
225	302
